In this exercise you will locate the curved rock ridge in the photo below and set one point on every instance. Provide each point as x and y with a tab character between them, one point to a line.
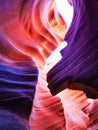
79	59
29	32
17	86
35	28
47	112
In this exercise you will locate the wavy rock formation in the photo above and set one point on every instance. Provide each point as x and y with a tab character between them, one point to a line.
17	86
28	26
29	31
47	112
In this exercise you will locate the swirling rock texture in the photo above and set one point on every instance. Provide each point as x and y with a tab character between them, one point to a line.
47	112
18	77
79	60
17	86
29	31
27	36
